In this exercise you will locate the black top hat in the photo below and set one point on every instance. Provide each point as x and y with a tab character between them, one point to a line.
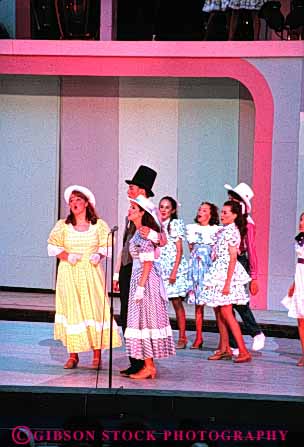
144	178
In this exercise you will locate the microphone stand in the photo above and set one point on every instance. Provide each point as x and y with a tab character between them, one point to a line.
111	309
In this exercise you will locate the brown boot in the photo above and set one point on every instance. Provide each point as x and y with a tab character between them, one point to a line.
219	355
198	344
182	343
72	361
243	357
146	373
96	363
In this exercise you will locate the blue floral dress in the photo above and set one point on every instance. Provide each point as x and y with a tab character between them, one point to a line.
168	256
215	278
202	238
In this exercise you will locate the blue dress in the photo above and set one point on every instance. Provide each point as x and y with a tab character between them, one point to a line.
202	238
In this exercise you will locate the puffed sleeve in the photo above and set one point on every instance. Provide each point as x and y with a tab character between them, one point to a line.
104	238
214	234
191	233
233	236
56	239
177	229
146	251
299	250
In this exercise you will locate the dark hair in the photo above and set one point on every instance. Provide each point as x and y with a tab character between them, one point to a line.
214	216
174	208
239	199
235	196
91	215
148	221
300	236
148	192
241	219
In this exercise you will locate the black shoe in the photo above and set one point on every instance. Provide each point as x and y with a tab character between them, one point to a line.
137	364
128	371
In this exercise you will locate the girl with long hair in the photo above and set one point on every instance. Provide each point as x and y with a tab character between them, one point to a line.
295	299
148	334
201	238
224	282
173	263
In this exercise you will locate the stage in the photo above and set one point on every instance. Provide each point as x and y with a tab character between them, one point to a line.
189	392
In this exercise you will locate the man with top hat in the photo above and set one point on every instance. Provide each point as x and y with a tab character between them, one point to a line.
243	194
141	184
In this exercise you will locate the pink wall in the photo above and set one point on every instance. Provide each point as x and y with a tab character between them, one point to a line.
246	136
66	48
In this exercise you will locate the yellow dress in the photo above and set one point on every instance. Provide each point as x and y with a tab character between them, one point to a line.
82	320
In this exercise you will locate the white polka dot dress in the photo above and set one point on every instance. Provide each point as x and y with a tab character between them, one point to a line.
214	279
175	231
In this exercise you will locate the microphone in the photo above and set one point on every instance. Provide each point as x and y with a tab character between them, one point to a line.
115	228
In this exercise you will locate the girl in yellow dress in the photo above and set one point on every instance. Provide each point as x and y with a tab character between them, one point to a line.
82	320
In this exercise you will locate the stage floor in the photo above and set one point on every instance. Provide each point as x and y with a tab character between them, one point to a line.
30	357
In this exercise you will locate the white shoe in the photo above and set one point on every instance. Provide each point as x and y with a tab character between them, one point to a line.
258	342
235	351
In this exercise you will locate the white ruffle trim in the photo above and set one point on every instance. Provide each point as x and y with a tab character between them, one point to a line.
218	278
295	306
153	236
201	234
54	250
286	301
149	256
223	302
220	282
148	333
74	329
105	251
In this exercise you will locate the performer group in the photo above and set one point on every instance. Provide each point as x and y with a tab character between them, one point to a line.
152	270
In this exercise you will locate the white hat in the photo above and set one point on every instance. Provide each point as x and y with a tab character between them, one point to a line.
245	193
148	206
89	195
